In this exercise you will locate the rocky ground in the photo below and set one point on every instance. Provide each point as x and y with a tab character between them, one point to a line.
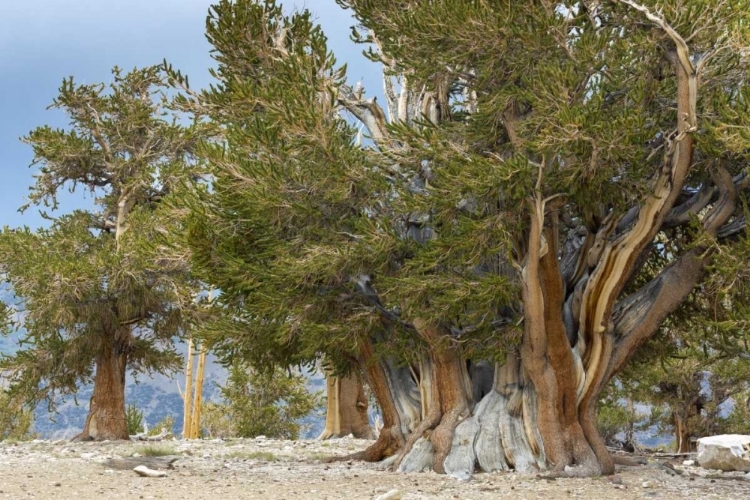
264	468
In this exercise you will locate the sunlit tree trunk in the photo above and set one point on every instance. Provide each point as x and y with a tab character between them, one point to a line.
106	417
195	423
682	433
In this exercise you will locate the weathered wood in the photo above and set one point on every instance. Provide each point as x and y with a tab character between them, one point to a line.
128	463
187	395
419	458
145	437
346	408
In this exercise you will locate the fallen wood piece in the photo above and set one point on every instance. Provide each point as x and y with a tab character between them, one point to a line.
674	455
128	463
668	468
143	437
722	476
628	461
144	471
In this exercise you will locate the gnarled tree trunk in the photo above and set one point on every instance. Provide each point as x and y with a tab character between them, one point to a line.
106	418
581	324
398	398
346	408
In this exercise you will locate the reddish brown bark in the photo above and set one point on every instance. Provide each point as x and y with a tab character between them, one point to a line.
391	438
449	397
106	418
546	352
682	434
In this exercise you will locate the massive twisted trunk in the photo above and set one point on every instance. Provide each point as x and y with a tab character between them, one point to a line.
581	321
580	329
346	408
106	418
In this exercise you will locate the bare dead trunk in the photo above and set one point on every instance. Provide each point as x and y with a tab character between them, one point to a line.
187	396
195	423
346	408
106	418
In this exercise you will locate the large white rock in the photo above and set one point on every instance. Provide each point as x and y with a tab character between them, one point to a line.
726	452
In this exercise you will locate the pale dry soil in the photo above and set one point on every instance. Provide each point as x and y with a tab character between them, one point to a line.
264	468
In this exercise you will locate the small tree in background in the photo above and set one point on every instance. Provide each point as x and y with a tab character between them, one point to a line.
16	421
269	403
134	419
165	425
216	421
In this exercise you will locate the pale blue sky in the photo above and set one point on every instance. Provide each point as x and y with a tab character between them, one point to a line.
43	41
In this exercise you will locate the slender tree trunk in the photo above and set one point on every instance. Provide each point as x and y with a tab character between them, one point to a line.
629	444
186	397
195	421
346	409
106	418
682	433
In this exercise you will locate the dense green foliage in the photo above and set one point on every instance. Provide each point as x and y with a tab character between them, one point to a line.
134	419
316	241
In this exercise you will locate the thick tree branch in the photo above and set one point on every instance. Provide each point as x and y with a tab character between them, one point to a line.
639	316
621	254
368	112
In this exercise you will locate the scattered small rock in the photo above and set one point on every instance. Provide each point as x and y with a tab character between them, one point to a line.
615	479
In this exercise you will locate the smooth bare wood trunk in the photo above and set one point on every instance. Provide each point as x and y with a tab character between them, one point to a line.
195	422
106	418
186	397
346	408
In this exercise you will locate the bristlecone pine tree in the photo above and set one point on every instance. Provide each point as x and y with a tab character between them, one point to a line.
95	301
492	255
